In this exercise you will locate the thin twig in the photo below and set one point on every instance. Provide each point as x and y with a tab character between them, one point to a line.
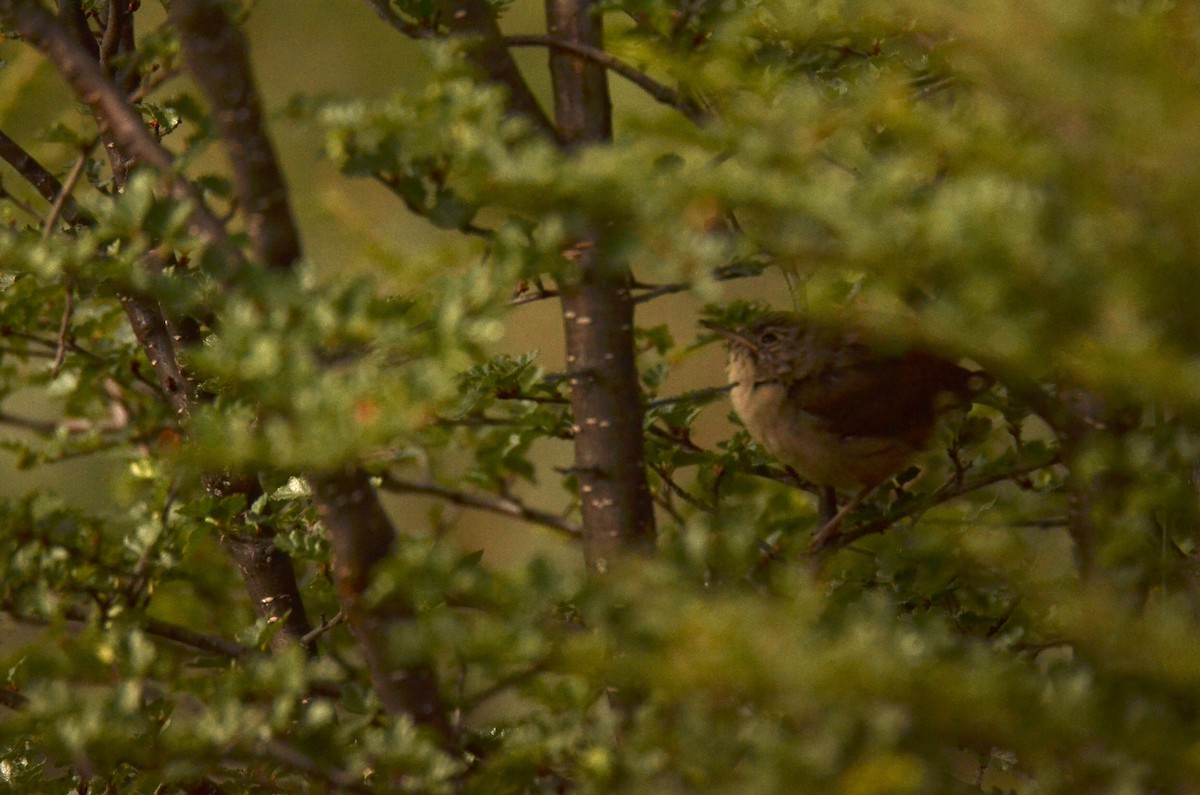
38	176
24	207
663	500
51	344
696	395
64	327
530	296
725	273
683	441
411	29
160	629
681	492
322	628
25	353
948	491
27	423
60	350
477	421
196	640
294	758
547	400
73	347
664	94
505	506
64	193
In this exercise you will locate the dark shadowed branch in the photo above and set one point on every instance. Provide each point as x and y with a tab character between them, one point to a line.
116	117
292	757
12	699
360	536
45	183
175	633
359	530
217	60
268	572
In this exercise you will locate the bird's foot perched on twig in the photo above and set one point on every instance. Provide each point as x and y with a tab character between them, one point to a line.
832	518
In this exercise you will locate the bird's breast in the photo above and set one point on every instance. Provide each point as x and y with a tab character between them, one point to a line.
805	442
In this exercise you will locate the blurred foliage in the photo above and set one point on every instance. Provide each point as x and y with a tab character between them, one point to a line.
1013	182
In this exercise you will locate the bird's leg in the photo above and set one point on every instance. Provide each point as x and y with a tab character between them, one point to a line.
830	527
827	505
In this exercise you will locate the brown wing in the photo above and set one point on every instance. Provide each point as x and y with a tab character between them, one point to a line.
889	396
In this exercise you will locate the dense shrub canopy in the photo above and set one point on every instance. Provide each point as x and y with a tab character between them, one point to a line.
295	584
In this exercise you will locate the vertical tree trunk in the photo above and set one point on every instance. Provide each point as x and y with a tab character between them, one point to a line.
618	514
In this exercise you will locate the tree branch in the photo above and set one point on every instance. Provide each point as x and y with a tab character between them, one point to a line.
28	424
948	491
706	395
725	273
64	194
505	506
159	629
45	183
662	93
360	532
154	336
383	8
642	293
325	626
111	109
217	59
582	107
297	760
12	700
75	19
597	311
477	19
196	640
268	572
360	536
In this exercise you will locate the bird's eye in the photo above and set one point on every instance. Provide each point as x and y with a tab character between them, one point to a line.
768	338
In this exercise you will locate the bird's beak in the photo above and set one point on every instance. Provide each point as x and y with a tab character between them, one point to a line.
730	336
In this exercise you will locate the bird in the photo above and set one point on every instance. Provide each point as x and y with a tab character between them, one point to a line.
839	409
